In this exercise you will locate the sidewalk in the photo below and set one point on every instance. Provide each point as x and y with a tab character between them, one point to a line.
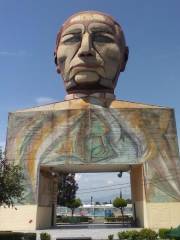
96	232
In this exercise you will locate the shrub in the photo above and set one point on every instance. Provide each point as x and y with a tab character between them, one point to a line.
17	236
75	219
29	236
123	235
163	232
130	235
110	237
126	219
147	234
134	235
45	236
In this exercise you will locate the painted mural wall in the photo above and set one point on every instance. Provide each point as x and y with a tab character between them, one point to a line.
98	135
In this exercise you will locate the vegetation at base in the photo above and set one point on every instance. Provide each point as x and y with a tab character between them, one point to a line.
111	237
163	232
174	233
149	234
144	234
17	236
11	182
75	219
130	235
45	236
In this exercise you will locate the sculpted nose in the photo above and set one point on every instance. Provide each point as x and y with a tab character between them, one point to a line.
86	49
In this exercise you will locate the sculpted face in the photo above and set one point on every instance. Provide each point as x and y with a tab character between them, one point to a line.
90	53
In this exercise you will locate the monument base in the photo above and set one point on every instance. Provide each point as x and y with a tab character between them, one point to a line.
162	215
93	135
25	217
21	217
157	215
44	218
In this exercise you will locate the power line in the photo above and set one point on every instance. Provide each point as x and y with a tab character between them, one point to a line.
145	182
103	190
105	186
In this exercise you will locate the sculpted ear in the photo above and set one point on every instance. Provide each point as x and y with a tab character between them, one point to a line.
58	69
126	54
57	66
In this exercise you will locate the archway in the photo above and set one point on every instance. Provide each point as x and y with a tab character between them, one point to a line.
49	177
90	135
97	192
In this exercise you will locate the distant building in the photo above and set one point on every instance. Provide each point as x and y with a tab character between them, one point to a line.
105	210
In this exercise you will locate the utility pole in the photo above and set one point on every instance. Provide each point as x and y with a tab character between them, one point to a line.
91	200
120	195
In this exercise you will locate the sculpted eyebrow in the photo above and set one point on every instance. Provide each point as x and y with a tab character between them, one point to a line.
72	31
101	30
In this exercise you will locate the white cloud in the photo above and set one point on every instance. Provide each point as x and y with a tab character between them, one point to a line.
110	182
77	176
103	186
44	100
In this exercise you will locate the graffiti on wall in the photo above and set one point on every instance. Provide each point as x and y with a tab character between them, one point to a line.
98	136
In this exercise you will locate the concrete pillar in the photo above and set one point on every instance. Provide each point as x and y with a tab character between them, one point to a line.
46	211
138	195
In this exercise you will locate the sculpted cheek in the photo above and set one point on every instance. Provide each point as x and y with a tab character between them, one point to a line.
64	57
111	55
110	52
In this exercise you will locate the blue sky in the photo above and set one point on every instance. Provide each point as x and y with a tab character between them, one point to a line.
28	32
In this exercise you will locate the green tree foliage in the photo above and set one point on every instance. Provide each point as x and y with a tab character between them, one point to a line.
121	204
11	182
73	204
67	188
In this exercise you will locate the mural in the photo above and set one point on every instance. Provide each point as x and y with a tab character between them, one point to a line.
98	135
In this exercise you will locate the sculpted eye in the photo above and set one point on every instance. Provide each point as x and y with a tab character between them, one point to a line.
100	38
72	39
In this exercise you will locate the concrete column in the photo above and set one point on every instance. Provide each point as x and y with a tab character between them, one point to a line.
138	195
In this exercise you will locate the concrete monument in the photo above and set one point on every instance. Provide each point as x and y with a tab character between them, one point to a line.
91	131
90	53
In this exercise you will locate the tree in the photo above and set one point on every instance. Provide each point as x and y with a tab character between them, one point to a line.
73	204
67	188
11	182
121	204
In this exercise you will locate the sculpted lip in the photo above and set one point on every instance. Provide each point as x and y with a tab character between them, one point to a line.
85	66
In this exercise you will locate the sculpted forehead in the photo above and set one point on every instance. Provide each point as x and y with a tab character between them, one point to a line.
91	27
87	18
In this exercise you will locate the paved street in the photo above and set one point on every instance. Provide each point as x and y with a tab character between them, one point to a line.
95	232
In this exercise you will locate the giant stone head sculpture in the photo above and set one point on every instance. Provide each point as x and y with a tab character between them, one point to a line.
90	53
